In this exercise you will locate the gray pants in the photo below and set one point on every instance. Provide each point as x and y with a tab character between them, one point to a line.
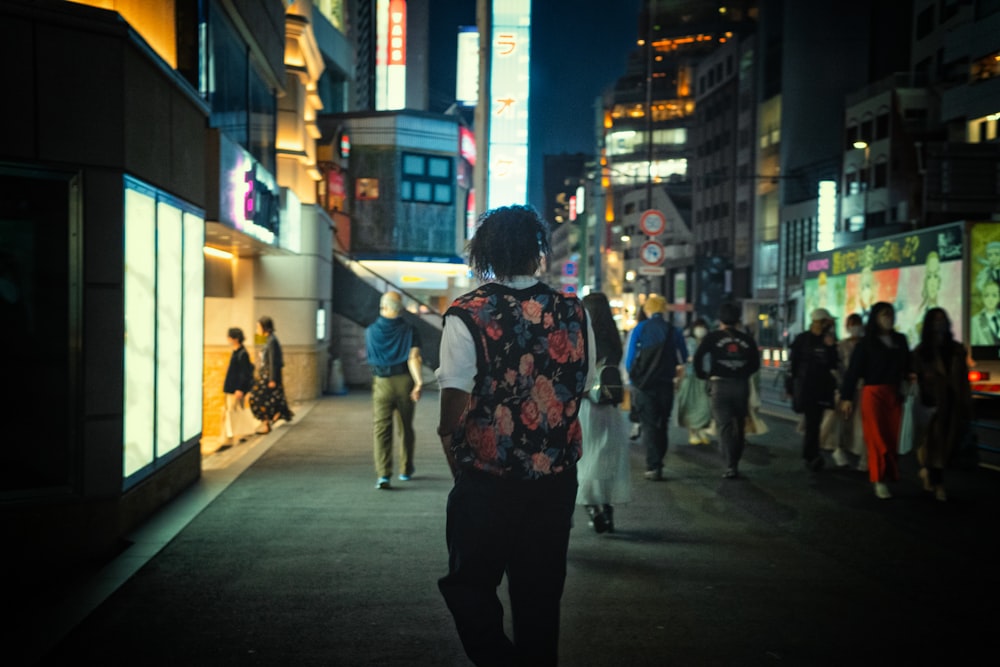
730	406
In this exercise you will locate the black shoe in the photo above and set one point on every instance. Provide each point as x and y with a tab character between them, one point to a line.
597	519
609	513
731	474
816	464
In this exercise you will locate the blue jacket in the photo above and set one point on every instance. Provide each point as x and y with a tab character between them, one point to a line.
650	332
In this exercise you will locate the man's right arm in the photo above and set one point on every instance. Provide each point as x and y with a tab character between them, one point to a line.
456	377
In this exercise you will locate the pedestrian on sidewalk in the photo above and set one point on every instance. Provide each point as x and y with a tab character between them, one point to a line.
882	359
393	347
812	364
267	399
733	358
850	436
941	368
238	422
694	409
658	342
633	411
516	360
605	474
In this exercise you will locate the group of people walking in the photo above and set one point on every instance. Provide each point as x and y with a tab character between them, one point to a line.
526	440
254	396
866	378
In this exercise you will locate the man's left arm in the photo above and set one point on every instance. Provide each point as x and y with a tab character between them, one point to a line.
415	363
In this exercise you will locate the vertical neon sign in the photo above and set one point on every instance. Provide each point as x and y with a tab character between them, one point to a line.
390	57
509	84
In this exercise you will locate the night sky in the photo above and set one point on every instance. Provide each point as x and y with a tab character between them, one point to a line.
578	49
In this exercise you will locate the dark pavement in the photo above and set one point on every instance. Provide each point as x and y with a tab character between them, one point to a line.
285	554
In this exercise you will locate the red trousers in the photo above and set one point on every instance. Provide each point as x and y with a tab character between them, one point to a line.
881	414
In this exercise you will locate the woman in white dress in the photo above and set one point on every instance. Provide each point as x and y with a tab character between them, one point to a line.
603	472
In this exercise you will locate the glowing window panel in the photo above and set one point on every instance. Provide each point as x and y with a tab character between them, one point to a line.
827	214
510	57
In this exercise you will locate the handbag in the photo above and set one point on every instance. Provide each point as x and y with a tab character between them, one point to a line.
608	387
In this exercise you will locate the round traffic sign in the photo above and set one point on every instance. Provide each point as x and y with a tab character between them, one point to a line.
652	253
652	222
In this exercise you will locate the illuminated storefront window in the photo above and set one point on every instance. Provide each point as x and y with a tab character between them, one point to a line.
164	296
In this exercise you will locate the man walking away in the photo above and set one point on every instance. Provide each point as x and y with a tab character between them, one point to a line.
654	341
733	358
516	360
394	357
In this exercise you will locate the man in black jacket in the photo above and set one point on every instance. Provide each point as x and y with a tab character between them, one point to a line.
733	357
812	364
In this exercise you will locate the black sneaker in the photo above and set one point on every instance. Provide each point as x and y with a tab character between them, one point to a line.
816	464
730	474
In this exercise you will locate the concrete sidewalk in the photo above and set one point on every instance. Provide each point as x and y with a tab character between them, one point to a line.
285	554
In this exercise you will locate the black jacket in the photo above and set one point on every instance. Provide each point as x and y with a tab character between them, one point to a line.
239	376
812	364
876	363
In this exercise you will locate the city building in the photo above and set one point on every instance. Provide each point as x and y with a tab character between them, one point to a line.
159	186
648	148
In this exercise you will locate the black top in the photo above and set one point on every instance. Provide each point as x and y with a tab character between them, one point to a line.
876	363
813	363
733	354
239	376
271	361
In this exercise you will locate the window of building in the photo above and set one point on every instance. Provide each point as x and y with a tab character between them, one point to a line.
882	125
851	135
867	133
163	300
243	105
39	311
881	175
925	22
426	179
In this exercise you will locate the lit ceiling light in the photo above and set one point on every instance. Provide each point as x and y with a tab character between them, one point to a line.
861	145
216	252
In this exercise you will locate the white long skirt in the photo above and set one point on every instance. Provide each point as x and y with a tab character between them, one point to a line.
604	472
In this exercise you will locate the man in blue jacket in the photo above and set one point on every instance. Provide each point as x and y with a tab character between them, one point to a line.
655	398
393	347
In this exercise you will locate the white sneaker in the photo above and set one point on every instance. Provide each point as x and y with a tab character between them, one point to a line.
863	465
840	458
882	491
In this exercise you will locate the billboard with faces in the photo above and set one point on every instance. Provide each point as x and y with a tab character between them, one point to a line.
913	272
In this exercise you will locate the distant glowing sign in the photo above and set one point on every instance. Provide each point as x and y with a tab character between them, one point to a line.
390	58
467	72
467	145
827	215
508	103
248	193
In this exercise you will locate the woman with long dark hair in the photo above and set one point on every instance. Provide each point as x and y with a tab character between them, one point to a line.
268	395
943	373
603	471
882	359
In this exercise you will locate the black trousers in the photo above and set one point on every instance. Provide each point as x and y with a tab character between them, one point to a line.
517	527
654	408
813	414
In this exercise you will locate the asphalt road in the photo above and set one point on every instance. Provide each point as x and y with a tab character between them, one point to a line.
297	560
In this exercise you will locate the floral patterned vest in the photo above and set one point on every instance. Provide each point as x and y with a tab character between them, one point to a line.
531	368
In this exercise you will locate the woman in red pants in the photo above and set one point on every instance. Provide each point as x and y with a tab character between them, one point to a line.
882	359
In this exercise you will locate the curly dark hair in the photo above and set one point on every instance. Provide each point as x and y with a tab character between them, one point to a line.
510	241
